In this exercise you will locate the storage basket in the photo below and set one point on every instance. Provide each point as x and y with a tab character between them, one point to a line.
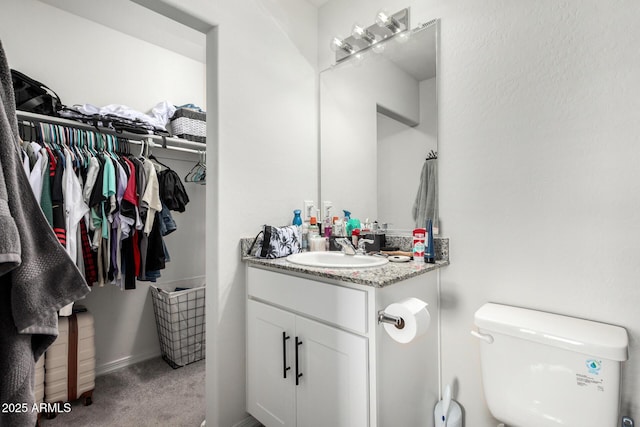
189	124
181	324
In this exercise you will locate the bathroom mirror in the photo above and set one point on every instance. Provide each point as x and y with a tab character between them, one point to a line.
378	125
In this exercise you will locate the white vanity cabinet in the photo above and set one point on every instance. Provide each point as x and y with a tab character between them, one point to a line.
300	371
316	356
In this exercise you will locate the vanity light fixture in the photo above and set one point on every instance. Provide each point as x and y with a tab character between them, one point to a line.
386	26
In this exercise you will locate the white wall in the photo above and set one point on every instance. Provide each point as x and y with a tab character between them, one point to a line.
86	62
401	155
267	157
265	160
538	166
538	171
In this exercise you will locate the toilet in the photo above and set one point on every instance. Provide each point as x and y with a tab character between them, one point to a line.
546	370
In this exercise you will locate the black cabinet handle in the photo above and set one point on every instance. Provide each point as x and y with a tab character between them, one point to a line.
285	368
298	373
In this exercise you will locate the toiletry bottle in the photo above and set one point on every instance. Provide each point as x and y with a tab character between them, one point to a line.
314	230
355	235
338	227
319	222
317	243
429	253
296	218
352	224
305	236
327	226
419	235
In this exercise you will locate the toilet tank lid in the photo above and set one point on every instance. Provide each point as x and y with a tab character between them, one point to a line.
583	336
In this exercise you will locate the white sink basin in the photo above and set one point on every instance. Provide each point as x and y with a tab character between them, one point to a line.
336	260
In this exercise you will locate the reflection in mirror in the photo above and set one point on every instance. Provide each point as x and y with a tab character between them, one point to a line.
379	117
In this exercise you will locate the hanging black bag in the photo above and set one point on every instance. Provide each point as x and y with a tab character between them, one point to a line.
33	96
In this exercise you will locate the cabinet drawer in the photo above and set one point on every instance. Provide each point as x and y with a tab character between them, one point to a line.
342	306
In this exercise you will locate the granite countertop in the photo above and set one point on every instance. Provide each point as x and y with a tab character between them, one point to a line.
378	277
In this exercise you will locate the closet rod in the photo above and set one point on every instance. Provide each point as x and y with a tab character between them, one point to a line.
178	144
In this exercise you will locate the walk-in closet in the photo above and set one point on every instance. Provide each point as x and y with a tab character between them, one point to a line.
91	54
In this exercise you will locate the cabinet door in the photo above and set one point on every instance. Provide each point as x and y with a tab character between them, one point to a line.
270	396
333	388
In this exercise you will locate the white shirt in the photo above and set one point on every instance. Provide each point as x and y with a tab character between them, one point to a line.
74	206
151	195
35	176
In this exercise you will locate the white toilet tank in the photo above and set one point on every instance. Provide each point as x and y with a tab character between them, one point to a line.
546	370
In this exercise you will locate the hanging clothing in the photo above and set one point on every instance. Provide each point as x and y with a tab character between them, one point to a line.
57	201
106	208
75	209
151	196
426	204
35	173
172	191
45	196
36	275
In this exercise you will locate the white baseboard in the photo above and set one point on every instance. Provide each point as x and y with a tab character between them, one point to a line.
124	362
248	422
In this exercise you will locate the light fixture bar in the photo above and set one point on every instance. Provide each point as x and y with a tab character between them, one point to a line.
361	39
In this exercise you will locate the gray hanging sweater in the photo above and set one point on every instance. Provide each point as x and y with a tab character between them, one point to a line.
37	277
426	204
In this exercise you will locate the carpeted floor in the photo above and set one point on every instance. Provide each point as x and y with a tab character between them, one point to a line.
149	393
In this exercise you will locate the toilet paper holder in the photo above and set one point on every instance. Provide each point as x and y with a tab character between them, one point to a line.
397	321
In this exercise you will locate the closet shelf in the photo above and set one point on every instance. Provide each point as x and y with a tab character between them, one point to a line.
172	143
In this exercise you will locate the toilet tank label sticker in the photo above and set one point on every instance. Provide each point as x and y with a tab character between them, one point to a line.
590	381
592	378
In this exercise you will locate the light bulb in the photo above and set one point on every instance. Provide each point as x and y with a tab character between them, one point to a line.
384	20
360	33
339	44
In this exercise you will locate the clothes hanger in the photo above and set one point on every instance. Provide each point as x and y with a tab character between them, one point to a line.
198	172
89	140
82	153
190	176
155	159
432	155
65	144
150	157
143	143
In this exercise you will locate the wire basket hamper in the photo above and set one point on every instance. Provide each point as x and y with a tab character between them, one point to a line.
180	320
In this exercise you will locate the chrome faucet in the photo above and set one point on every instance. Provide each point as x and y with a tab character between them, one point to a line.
361	246
345	246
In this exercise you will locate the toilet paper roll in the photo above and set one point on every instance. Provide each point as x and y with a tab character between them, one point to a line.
416	319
